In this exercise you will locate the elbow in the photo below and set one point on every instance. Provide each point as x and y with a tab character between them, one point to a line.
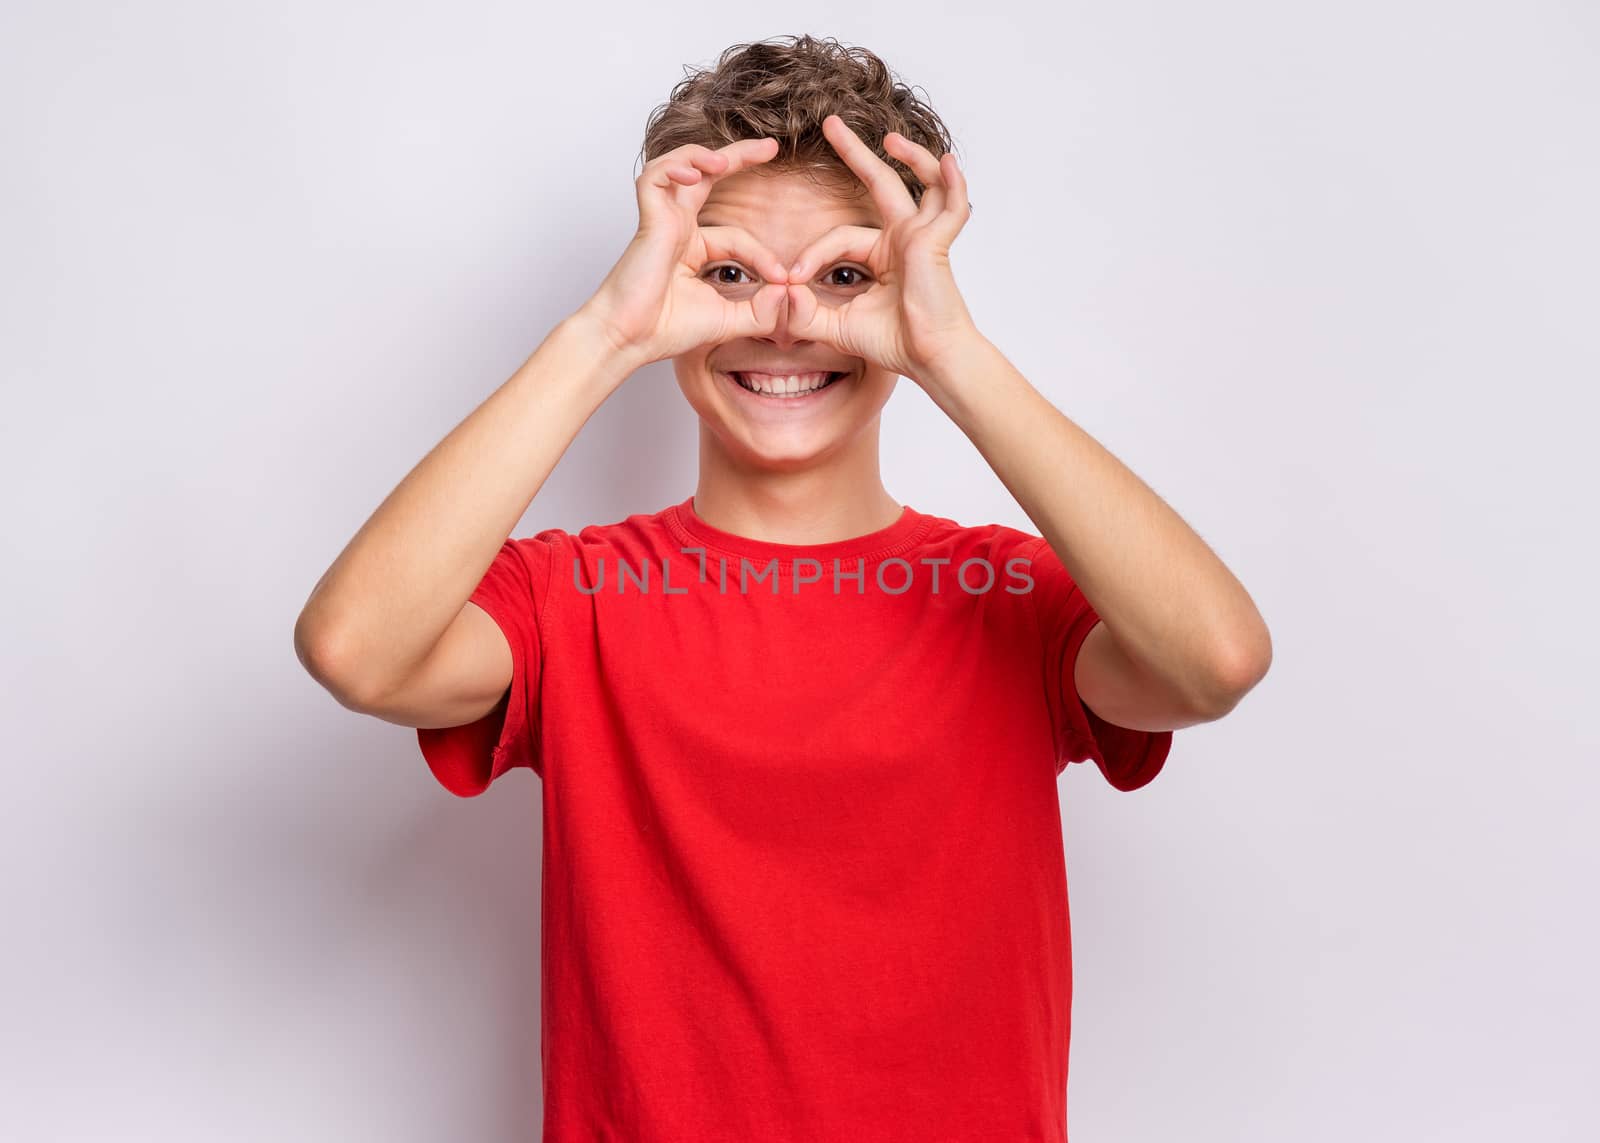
327	656
1235	671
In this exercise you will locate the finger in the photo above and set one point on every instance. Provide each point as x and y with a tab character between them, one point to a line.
809	320
855	243
758	314
696	168
743	154
737	244
682	165
887	188
925	165
737	156
685	176
956	208
945	200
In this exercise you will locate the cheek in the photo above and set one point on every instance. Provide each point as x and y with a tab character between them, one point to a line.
698	384
690	372
881	382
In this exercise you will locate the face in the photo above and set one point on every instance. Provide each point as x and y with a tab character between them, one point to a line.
786	212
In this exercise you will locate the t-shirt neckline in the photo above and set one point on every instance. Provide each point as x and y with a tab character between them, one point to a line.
899	536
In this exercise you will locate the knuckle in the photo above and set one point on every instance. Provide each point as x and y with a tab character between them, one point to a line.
666	158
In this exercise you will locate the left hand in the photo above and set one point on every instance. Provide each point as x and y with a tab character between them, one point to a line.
912	314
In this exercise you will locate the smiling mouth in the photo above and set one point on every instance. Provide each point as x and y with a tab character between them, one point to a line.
785	388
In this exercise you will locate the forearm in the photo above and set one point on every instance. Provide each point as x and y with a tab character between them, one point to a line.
1169	602
397	585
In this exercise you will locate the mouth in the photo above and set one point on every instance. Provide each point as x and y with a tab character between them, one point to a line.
797	387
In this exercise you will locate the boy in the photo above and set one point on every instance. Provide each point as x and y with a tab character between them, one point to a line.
803	865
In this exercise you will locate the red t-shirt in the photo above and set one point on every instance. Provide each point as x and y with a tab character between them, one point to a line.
803	864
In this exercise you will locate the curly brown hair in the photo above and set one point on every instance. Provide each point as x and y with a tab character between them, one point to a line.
784	87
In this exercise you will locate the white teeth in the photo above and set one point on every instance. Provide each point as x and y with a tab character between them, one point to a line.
795	385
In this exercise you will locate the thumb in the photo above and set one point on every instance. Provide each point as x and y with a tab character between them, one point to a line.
807	318
761	313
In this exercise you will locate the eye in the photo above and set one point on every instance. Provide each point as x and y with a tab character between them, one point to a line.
722	269
860	276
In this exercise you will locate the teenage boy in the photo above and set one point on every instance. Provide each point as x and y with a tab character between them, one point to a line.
799	742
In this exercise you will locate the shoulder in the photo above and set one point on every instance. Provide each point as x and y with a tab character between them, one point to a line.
990	541
631	529
558	554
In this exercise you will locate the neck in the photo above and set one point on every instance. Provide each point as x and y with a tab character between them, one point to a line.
836	498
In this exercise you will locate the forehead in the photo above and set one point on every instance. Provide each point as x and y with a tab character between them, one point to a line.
784	210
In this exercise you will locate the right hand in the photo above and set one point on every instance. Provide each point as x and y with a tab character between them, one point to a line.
654	303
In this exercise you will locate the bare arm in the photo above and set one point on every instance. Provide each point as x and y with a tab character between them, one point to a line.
1181	641
387	629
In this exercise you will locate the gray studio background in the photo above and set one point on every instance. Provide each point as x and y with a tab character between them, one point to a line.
1323	275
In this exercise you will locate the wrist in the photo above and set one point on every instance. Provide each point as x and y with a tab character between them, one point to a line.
577	357
957	362
586	325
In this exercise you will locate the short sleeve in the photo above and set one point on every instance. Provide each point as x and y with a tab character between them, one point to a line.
466	759
1128	758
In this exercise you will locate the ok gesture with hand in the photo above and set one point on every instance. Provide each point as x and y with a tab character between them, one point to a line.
654	303
912	315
